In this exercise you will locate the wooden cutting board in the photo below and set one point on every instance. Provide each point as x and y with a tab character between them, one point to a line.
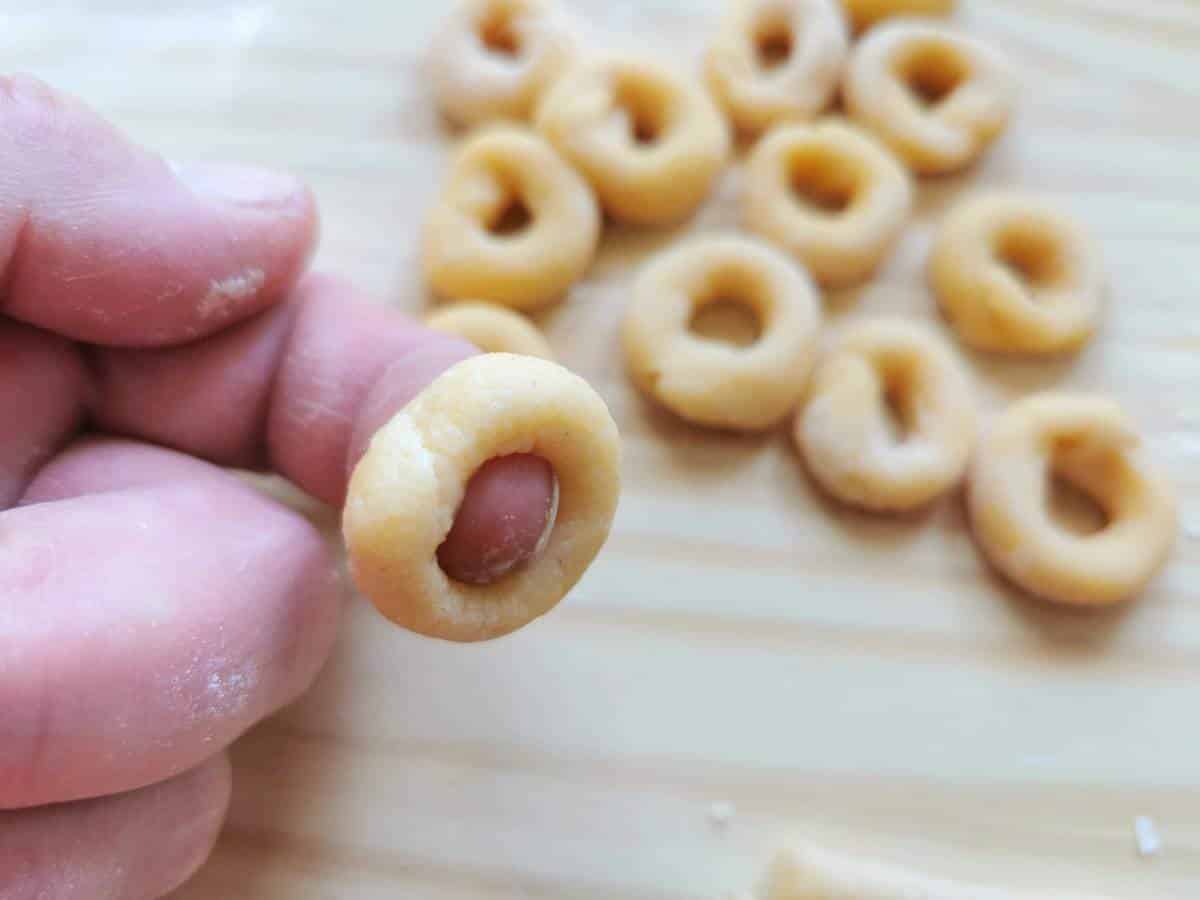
741	641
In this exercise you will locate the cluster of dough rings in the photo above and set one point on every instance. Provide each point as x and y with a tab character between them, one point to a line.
830	195
844	433
1013	274
649	139
493	329
865	13
405	491
493	59
715	383
467	257
1089	442
937	97
809	34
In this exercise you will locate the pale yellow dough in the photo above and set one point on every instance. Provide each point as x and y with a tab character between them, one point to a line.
830	195
865	13
936	96
493	59
843	430
466	258
648	138
1089	442
493	329
711	382
405	491
1014	274
811	36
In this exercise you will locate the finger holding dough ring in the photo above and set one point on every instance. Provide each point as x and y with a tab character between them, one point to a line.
1089	442
493	329
405	491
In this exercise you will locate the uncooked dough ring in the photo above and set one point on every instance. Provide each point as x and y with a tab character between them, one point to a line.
406	490
865	13
649	139
843	431
712	382
493	329
1088	441
494	170
970	93
856	198
1013	274
813	34
493	59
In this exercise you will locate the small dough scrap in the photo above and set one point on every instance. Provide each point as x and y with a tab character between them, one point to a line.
405	491
493	329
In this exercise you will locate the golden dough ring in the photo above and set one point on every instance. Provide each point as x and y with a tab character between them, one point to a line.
1089	442
937	97
813	35
712	382
649	139
493	329
1013	274
843	431
493	59
830	195
494	172
865	13
405	491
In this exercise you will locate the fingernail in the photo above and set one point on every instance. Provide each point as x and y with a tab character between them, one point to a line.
247	186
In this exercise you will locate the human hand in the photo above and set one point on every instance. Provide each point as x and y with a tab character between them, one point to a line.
152	606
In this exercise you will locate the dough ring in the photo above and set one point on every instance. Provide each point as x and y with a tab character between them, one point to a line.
937	97
865	13
1013	274
1087	441
493	329
774	60
405	492
493	59
711	382
844	432
649	139
829	195
473	248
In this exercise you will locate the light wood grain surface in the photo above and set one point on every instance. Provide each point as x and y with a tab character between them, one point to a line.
862	681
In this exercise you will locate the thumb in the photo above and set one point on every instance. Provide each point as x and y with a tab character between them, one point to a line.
102	241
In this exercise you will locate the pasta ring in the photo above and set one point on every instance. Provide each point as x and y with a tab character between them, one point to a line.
937	97
809	35
829	195
1013	274
1089	442
650	141
865	13
716	383
493	59
405	491
493	329
843	431
468	252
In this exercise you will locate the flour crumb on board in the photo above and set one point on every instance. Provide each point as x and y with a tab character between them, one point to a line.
1146	834
225	292
720	814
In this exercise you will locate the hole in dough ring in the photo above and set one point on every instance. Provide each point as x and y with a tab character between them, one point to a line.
493	329
465	260
1013	274
648	138
843	430
974	93
834	166
801	86
474	82
1090	442
405	491
865	13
